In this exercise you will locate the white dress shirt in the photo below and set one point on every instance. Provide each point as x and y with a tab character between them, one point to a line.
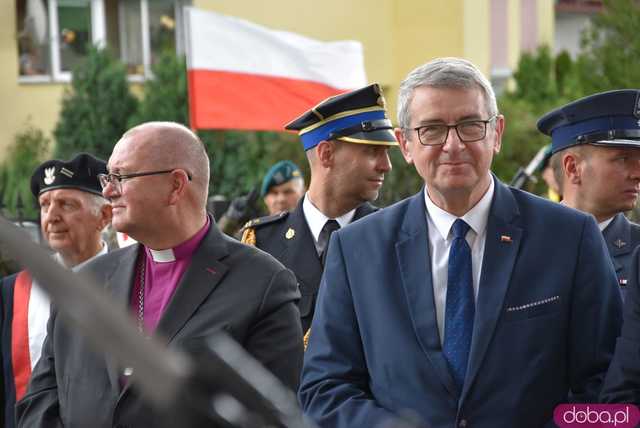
439	224
603	225
39	309
316	219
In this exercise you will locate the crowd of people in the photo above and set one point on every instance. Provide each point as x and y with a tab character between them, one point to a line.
468	304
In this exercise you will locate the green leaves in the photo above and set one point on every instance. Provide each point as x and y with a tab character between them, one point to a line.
96	107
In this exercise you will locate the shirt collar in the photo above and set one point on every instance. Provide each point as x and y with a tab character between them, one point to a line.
181	251
103	250
477	217
603	225
316	219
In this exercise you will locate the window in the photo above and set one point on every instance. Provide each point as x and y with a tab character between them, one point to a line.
137	31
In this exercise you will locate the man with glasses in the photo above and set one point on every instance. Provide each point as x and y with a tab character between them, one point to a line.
346	139
73	215
437	308
183	281
596	145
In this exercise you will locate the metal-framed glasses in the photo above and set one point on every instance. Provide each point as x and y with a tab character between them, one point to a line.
116	179
468	131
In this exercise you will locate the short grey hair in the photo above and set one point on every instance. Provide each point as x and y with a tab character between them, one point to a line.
95	203
444	73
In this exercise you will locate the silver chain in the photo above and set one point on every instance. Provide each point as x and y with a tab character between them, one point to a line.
141	297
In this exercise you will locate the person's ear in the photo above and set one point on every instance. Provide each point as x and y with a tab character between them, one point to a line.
404	145
179	181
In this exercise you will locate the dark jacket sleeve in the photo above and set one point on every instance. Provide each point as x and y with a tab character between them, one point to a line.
622	384
40	406
275	338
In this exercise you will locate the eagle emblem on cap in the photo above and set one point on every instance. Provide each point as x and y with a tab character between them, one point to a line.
49	175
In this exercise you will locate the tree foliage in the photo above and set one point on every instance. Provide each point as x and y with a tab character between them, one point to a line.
24	155
95	108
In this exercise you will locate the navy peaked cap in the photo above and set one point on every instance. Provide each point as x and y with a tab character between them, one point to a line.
606	119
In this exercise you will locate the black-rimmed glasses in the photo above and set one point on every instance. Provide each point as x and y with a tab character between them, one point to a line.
468	131
116	179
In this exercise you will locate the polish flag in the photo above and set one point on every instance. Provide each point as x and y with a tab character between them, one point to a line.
245	76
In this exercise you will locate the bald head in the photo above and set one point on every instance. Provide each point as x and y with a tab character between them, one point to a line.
170	145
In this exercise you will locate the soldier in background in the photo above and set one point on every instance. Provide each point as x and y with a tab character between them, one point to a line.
281	189
346	139
596	151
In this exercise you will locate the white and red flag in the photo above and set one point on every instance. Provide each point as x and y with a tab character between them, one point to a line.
246	76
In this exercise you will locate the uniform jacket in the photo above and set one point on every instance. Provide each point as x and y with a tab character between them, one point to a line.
622	384
227	286
547	315
287	237
622	237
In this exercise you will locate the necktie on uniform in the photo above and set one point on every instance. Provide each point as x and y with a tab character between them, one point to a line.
323	239
460	306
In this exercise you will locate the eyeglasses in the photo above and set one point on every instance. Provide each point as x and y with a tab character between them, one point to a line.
468	131
116	179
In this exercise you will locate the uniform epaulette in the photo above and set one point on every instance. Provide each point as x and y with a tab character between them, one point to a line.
261	221
249	228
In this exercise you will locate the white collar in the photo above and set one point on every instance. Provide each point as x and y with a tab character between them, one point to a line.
477	217
316	219
162	256
103	250
603	225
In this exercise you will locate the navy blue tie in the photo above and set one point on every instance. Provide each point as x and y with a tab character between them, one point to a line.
460	307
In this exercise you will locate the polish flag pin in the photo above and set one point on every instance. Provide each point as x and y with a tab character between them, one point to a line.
506	238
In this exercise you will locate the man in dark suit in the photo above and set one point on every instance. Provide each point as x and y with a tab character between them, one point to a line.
437	307
184	281
73	215
346	139
600	171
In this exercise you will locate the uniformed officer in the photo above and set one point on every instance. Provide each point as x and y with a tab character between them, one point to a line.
596	142
346	139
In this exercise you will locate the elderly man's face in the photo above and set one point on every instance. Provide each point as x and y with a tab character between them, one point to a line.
71	223
453	167
284	197
141	200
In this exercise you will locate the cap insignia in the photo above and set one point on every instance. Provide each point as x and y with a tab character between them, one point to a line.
49	175
290	233
66	172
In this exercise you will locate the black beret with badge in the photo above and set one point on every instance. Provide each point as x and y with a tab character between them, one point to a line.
79	173
605	119
358	116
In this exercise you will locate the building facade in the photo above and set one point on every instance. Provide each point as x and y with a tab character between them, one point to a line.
42	40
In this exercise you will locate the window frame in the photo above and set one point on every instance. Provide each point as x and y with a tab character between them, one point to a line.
99	38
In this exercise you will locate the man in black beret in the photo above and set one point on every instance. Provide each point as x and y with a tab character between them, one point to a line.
596	147
73	214
346	139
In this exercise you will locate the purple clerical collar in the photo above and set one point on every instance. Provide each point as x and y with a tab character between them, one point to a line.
181	251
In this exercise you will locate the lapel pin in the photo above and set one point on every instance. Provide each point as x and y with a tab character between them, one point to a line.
506	238
290	233
619	243
622	281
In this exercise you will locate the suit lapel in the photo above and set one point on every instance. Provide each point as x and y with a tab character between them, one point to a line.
198	282
300	253
501	249
617	236
119	285
415	269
